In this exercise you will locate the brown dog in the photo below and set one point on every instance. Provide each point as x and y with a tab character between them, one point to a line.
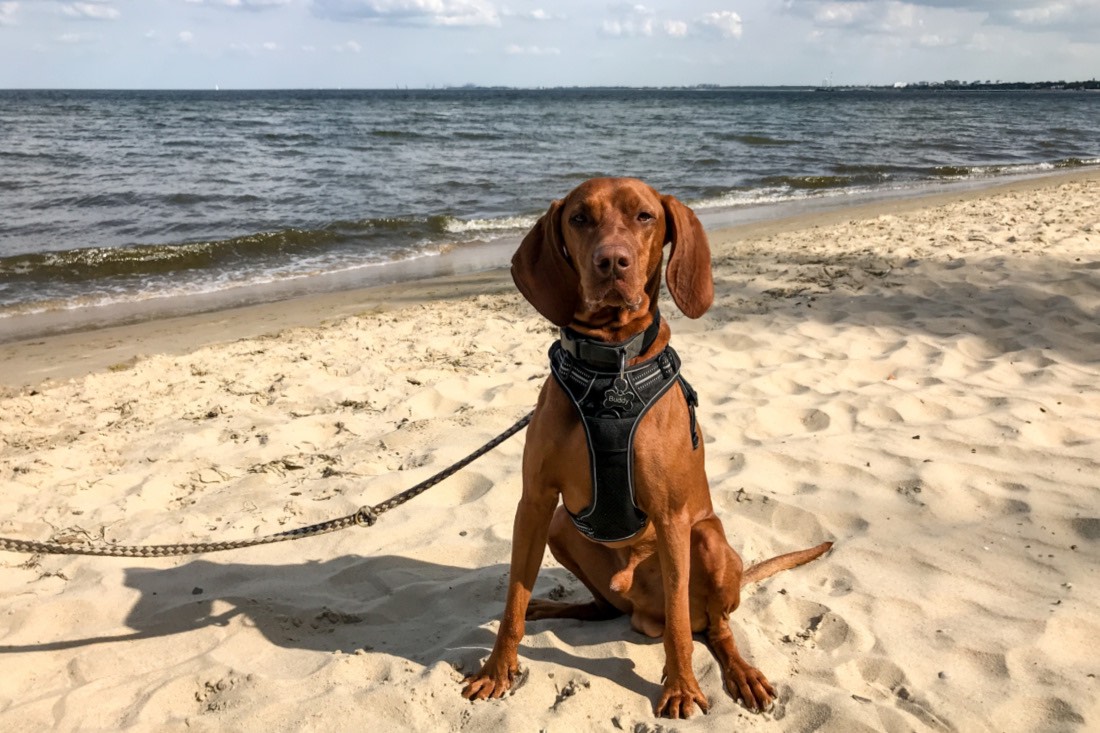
591	265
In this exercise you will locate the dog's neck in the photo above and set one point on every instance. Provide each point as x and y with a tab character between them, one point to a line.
599	347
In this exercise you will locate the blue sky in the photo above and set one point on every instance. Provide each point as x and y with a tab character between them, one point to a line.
420	43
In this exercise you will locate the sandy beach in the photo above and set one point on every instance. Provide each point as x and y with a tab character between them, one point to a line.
916	381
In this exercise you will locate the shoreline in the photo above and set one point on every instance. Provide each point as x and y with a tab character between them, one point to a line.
452	259
65	354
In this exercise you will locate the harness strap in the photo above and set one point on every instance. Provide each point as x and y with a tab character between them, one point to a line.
611	404
692	398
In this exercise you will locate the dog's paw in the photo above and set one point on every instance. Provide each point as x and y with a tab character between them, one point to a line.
749	685
678	699
492	681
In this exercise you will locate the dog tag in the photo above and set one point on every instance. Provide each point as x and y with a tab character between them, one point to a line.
619	396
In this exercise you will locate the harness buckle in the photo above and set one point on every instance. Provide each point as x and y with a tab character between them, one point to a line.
666	365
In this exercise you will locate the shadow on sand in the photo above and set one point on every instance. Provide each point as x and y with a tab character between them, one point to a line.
422	611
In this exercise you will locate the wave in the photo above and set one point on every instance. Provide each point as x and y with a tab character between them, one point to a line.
398	134
865	178
1009	169
809	182
361	241
754	140
501	224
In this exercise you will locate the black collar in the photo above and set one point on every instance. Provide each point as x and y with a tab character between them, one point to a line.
601	354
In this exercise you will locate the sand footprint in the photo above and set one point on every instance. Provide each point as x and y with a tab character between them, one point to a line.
787	519
772	421
884	683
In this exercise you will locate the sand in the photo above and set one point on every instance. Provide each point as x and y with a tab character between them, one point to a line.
917	382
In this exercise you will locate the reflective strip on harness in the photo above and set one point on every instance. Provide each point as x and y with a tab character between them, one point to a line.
611	404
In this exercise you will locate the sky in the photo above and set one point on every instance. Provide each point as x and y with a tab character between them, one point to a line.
261	44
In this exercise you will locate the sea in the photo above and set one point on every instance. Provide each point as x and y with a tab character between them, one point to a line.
123	205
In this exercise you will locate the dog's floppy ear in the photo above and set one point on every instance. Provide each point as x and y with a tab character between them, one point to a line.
688	274
542	272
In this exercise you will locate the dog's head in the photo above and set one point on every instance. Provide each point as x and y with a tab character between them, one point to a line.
595	256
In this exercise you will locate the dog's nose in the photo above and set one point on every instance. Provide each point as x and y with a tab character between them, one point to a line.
612	259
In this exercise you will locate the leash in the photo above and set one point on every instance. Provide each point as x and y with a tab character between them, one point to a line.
365	516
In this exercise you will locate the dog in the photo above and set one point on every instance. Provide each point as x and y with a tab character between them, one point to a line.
636	525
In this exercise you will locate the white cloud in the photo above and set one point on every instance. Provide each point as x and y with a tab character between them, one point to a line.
631	21
1051	15
7	13
725	22
185	36
517	50
845	14
898	16
934	40
675	28
628	21
243	4
90	11
74	38
348	46
447	13
270	46
539	15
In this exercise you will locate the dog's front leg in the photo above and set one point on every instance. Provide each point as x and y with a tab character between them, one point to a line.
529	536
681	690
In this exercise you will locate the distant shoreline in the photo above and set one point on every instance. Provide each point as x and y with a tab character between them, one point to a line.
949	85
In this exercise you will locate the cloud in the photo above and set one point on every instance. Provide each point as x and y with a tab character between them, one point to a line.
517	50
861	15
538	14
725	22
934	40
90	11
242	4
447	13
72	39
675	28
348	46
630	21
7	13
896	16
185	36
1066	15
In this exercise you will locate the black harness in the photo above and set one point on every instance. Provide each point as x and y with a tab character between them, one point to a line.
611	399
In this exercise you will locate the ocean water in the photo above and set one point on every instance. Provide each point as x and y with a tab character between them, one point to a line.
137	198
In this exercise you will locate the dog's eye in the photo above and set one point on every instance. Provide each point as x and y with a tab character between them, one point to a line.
645	216
578	219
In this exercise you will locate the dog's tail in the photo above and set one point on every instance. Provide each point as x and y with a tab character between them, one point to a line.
767	568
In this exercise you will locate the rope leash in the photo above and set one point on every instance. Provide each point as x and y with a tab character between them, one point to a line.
365	516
